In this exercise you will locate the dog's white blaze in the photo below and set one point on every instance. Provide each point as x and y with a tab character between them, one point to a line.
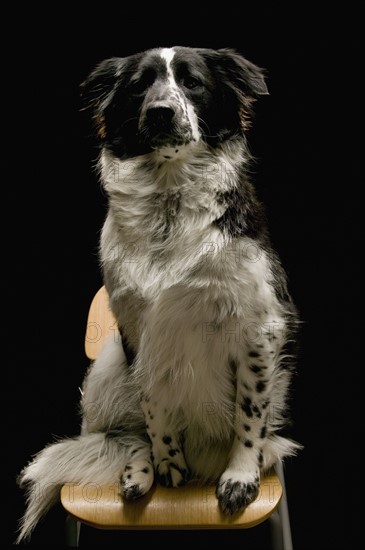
168	54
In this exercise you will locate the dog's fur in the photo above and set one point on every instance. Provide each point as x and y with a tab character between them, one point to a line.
198	384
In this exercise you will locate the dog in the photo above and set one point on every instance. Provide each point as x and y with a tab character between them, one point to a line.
197	386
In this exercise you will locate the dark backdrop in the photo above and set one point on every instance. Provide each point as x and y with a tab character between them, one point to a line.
56	209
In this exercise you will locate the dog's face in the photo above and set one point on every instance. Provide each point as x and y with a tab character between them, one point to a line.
166	99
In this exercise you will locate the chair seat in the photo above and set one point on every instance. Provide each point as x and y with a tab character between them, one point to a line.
189	507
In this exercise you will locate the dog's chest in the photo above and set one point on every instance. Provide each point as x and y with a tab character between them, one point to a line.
158	225
172	246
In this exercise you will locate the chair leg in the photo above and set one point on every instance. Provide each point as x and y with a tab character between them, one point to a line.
72	531
72	527
280	522
276	531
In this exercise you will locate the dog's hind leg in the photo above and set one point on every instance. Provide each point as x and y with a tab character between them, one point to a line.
110	402
110	398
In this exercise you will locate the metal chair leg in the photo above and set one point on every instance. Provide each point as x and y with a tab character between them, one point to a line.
72	529
276	531
280	521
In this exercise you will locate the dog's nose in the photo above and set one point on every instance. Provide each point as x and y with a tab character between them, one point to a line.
159	115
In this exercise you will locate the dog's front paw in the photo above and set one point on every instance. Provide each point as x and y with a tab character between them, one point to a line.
236	490
169	462
172	473
137	479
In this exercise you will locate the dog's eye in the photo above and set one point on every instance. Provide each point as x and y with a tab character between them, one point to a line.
143	82
191	82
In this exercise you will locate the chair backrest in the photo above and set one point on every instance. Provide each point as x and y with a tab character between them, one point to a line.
101	324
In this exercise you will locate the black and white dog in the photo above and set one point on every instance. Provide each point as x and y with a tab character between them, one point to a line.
197	386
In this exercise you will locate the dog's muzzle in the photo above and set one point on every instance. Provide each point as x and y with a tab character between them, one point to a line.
159	117
163	123
160	124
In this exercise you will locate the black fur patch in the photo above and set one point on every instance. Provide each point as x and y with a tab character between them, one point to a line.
128	348
255	368
260	386
166	478
261	458
244	215
132	493
246	407
233	496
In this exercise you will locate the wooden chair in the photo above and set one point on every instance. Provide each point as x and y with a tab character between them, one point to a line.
188	507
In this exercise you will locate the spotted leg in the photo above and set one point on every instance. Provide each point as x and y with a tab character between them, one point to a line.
167	453
138	475
240	482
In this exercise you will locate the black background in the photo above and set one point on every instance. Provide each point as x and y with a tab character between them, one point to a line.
307	173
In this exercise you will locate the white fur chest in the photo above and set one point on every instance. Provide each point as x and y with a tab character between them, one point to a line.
159	223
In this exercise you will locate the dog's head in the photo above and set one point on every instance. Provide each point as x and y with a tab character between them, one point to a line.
165	99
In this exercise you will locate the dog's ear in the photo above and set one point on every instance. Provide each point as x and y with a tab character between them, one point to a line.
247	76
98	89
99	85
242	81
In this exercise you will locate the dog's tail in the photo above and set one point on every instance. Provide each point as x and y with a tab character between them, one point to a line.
93	457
